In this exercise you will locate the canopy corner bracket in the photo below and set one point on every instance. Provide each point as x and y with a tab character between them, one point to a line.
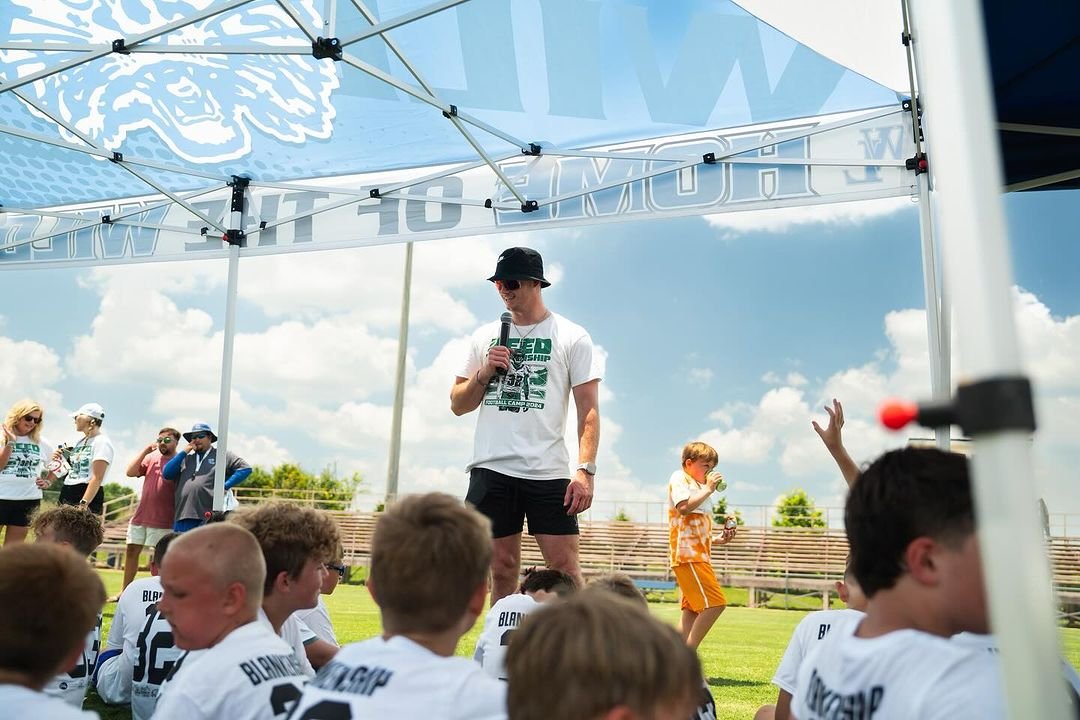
235	235
323	48
918	163
530	206
120	47
533	149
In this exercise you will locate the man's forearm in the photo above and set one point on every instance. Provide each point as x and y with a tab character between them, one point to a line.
134	470
588	435
468	393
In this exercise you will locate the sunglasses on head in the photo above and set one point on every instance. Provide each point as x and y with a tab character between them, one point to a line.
339	569
34	419
199	436
165	440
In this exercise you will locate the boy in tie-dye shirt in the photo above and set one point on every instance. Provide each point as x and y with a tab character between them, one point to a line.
690	511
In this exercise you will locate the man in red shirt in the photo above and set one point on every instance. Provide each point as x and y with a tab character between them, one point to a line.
153	517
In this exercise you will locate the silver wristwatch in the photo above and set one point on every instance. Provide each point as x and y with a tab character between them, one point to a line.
588	467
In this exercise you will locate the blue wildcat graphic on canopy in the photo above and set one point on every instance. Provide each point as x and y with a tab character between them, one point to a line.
203	107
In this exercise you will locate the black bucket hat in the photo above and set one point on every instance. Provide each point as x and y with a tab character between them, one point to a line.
520	263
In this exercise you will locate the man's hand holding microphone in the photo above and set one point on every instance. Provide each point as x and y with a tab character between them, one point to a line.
497	361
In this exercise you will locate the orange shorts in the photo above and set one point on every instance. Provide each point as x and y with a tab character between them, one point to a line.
699	586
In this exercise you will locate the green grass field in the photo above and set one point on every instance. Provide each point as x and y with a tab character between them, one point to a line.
739	656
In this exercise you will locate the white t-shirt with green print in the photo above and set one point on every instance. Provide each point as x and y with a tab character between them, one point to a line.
82	457
24	466
521	421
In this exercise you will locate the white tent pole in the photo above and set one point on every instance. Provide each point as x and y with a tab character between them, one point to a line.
939	389
967	178
222	429
399	381
234	237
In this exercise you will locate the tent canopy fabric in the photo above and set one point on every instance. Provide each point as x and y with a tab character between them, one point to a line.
111	99
1034	52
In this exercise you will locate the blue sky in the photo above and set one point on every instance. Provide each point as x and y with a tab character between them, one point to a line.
734	328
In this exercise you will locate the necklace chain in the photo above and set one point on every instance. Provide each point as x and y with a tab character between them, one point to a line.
534	326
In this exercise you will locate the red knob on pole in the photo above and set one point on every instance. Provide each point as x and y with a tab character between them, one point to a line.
895	414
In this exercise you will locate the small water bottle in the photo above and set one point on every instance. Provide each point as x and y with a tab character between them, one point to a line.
720	484
56	465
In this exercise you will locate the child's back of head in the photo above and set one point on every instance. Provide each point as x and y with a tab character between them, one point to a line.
67	524
594	652
51	599
430	554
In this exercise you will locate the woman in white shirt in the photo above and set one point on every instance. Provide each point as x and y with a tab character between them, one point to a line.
24	458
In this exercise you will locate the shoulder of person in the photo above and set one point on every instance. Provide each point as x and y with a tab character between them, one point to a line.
568	328
479	695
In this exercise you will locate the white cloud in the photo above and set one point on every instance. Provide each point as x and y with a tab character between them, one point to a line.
778	427
780	220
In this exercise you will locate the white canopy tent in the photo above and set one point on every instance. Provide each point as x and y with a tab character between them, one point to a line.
141	131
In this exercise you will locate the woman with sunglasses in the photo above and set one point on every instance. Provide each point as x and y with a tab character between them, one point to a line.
90	458
24	458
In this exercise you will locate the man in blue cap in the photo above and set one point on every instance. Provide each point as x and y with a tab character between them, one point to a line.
521	389
193	473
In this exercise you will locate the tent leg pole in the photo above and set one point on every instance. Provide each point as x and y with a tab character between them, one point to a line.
226	377
935	340
966	163
399	381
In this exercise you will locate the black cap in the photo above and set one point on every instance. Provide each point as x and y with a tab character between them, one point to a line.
520	263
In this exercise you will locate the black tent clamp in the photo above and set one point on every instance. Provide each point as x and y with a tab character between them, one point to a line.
979	408
236	236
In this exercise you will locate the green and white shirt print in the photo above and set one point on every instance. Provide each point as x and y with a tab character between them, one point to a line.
25	465
521	421
83	455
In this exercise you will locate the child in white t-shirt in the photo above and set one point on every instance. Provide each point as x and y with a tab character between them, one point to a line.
139	652
296	543
911	528
81	531
430	557
811	630
212	578
538	586
44	581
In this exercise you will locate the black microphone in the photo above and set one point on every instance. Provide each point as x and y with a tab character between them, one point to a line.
504	335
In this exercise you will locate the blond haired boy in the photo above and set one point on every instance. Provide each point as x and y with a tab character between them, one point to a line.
429	565
690	521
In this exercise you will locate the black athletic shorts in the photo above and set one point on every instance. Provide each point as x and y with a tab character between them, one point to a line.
72	494
17	512
507	501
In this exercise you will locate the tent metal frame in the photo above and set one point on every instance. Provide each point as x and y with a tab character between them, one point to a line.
967	169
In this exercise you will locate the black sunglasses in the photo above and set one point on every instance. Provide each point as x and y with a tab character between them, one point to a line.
31	418
199	436
339	569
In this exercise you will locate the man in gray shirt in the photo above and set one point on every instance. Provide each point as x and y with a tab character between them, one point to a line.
193	473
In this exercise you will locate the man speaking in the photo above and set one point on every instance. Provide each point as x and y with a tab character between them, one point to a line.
521	379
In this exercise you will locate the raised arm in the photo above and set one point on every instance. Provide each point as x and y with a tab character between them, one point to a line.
8	438
834	443
135	467
171	471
